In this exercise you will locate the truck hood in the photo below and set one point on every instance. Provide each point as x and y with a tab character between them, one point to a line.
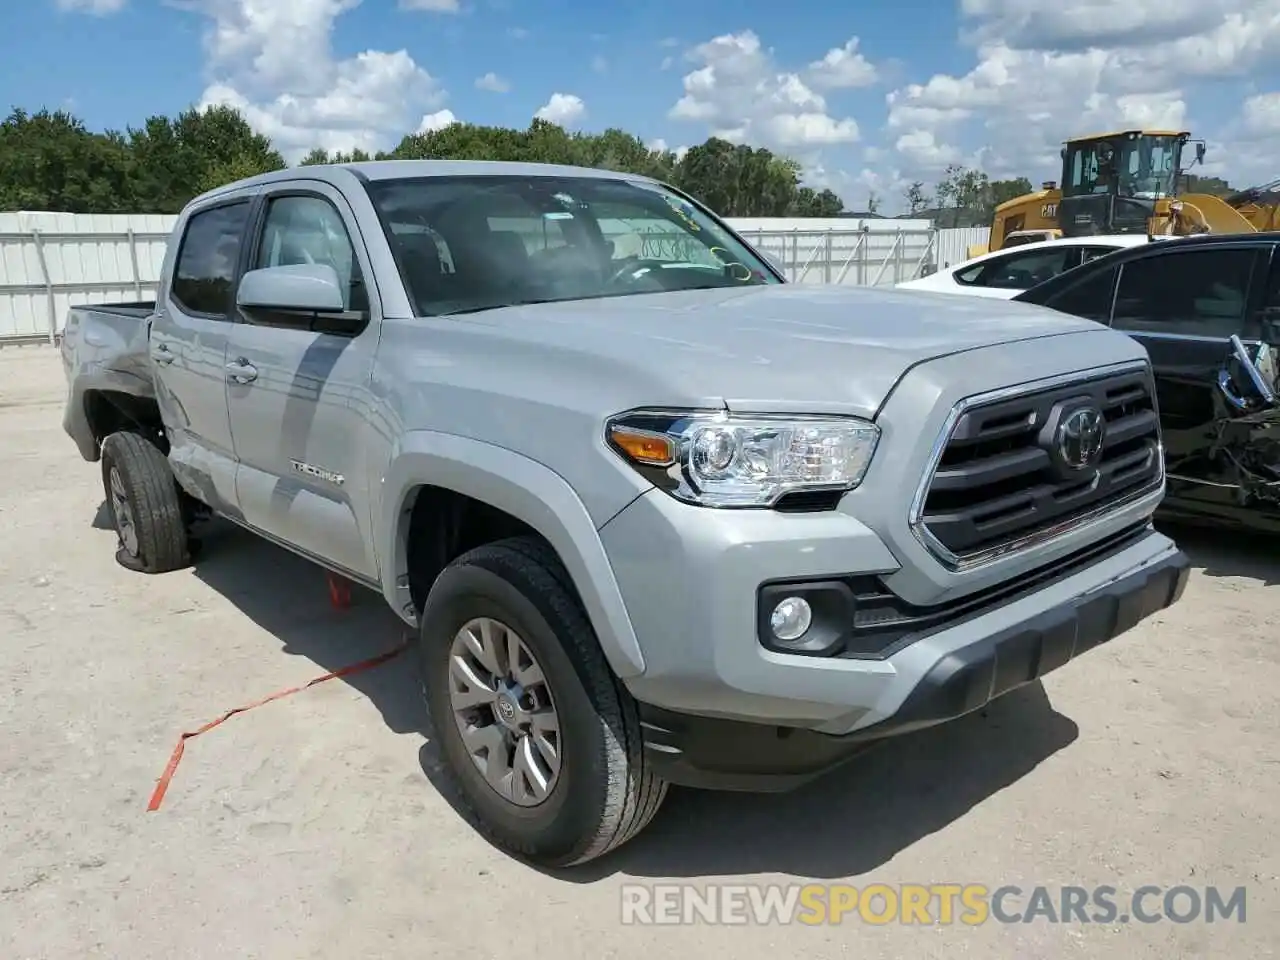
783	348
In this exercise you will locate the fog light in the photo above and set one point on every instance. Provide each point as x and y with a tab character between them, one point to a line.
790	619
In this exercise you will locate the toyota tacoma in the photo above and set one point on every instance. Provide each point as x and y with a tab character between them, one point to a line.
658	516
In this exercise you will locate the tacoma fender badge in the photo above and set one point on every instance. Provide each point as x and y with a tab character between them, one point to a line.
320	473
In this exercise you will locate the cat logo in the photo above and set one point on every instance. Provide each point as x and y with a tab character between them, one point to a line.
1049	211
320	473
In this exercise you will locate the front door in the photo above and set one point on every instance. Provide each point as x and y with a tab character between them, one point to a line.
1184	306
188	346
296	396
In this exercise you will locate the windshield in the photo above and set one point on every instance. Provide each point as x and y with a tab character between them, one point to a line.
474	243
1145	167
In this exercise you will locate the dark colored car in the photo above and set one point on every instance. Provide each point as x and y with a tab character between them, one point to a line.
1207	309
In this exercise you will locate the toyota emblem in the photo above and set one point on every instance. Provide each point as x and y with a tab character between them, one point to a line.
1080	437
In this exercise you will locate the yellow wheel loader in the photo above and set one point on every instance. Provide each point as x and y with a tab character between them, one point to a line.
1128	182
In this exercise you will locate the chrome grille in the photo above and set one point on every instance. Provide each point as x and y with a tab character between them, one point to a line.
1005	475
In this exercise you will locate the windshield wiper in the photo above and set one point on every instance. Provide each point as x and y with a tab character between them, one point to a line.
508	303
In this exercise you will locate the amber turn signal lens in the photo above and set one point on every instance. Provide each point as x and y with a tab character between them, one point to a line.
641	446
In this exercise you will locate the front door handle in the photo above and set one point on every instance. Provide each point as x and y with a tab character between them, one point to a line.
162	354
242	371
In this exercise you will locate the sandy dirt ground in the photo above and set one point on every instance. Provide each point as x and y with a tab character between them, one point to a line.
315	827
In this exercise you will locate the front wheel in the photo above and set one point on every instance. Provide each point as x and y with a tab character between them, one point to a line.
541	742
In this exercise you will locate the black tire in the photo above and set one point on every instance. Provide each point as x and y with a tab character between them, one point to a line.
605	792
154	505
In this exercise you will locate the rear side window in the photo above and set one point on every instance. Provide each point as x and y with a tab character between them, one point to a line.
1089	298
1020	271
208	257
1196	292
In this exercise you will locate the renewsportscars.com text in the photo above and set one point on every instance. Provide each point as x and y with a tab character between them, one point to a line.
926	904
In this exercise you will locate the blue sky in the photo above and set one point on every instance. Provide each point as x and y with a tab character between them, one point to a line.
905	88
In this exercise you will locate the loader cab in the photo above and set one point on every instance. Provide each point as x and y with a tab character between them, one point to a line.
1112	182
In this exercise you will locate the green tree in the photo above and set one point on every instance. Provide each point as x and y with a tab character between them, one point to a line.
916	200
197	151
49	161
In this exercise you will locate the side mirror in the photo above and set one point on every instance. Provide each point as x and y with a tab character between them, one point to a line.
308	287
1251	370
1200	148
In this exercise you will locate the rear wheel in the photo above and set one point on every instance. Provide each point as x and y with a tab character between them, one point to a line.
145	505
540	740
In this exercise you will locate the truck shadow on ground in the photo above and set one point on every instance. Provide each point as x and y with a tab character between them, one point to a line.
1228	553
847	823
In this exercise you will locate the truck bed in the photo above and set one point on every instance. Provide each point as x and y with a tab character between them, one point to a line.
105	358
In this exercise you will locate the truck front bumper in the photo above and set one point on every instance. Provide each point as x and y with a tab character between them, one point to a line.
721	710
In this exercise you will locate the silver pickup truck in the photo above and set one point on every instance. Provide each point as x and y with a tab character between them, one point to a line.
657	515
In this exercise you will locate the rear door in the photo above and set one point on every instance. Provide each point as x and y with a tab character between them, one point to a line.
1183	306
188	344
297	395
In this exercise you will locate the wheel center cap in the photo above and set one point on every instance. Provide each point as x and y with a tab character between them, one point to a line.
506	709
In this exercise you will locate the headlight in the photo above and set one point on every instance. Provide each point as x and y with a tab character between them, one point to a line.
721	460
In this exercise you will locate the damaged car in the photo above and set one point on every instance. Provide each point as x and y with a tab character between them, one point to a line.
1207	310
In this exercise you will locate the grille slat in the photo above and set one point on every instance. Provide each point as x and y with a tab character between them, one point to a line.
998	479
991	470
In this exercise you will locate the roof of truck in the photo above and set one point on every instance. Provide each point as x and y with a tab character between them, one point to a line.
335	173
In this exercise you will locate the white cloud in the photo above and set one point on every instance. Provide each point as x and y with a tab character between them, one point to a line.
436	121
662	146
564	109
1080	24
1046	72
739	93
843	67
1262	114
599	64
431	6
1250	158
667	63
98	8
493	83
922	151
273	59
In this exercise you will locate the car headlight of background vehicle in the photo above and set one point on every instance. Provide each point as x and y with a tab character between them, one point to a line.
723	460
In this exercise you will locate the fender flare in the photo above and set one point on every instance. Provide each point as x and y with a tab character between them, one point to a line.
530	492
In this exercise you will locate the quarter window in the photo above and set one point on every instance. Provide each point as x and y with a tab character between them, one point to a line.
1198	292
207	259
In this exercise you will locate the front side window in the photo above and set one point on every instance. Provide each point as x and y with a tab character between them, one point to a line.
1194	292
307	229
207	259
475	243
1020	271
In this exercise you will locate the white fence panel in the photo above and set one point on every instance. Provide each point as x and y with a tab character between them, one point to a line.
51	261
953	244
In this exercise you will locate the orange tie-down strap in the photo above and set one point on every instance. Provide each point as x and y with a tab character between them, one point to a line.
162	785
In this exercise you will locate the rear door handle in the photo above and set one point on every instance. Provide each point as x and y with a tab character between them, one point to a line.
162	354
242	371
